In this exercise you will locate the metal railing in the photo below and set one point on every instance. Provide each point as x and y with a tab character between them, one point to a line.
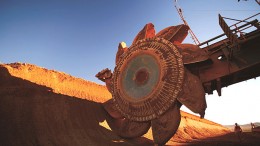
237	29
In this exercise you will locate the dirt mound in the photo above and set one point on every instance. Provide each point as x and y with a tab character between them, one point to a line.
46	107
32	114
59	82
193	128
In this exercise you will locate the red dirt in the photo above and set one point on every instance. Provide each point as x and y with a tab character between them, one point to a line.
46	107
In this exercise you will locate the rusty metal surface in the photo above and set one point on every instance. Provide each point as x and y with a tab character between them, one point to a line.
147	32
225	71
192	53
232	60
232	37
110	107
127	128
148	79
193	94
174	34
122	48
166	126
106	76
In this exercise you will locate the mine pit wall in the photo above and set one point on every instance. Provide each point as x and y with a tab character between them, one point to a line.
38	107
194	128
59	82
32	114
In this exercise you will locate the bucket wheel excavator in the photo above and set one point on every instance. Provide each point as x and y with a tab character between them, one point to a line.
158	74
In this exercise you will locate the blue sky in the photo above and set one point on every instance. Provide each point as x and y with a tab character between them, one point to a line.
80	37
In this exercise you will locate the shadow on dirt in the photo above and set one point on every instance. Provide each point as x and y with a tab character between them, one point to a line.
33	115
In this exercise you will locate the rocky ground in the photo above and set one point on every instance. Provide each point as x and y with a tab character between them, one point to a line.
45	107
